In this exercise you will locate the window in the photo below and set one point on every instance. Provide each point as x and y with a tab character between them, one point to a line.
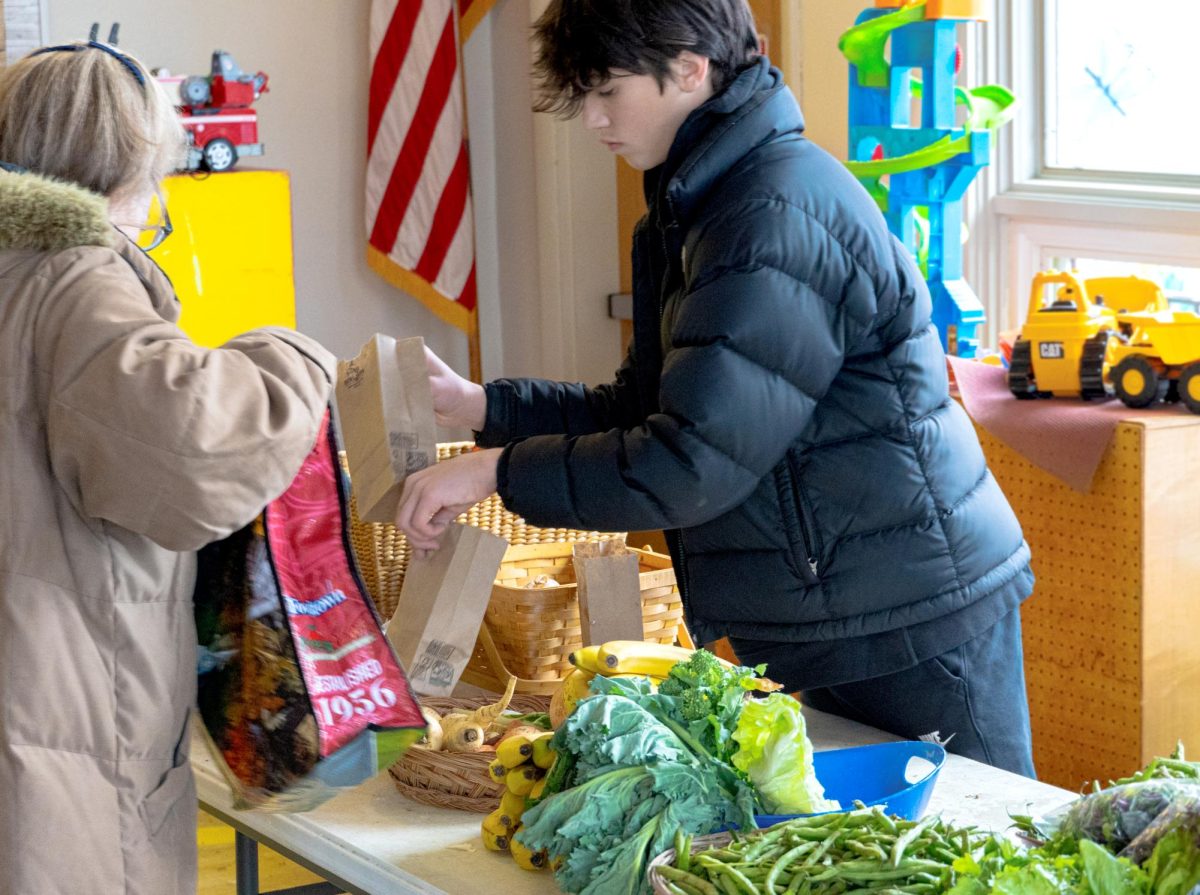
1117	98
1074	178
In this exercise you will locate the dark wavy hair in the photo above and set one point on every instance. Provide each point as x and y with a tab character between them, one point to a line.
578	42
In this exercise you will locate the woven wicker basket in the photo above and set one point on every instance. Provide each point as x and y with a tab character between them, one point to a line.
456	780
528	633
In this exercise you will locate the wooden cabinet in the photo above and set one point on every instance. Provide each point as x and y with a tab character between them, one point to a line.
1112	656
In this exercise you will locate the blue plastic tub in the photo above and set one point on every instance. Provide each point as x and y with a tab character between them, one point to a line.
875	775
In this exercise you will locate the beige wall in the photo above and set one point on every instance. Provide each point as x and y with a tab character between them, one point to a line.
542	283
313	124
824	76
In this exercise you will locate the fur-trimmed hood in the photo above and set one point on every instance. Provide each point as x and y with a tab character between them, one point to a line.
41	214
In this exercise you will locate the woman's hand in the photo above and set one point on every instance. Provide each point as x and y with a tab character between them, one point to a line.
433	497
457	402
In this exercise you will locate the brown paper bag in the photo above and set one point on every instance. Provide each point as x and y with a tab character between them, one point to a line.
388	427
441	607
609	591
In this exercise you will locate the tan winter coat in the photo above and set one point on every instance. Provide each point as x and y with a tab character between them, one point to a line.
124	448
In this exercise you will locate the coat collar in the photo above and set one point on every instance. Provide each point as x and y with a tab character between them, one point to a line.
41	214
755	108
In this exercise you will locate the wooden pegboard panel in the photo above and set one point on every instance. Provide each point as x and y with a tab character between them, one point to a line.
1083	625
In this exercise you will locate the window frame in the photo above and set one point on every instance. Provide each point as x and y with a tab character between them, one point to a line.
1022	213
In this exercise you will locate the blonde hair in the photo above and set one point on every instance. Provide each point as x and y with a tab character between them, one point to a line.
82	116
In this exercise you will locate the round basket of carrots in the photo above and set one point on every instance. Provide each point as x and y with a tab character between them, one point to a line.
449	767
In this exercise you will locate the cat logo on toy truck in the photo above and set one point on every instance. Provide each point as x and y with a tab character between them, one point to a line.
1095	337
217	113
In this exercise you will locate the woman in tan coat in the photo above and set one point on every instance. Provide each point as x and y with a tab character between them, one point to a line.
125	447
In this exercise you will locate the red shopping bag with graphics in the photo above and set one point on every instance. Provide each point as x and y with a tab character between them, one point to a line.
300	691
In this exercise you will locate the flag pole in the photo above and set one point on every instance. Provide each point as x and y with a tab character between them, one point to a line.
474	355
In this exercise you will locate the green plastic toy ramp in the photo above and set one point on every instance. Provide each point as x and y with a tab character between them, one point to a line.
992	106
863	44
988	107
925	157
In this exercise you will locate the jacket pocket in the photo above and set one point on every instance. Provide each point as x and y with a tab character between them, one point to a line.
799	526
176	786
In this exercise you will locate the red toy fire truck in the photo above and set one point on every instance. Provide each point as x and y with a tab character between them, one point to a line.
217	113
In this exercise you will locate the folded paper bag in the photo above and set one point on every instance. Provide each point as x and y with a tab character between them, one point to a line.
609	591
388	425
441	607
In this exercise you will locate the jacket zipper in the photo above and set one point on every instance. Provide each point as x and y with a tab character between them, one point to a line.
806	527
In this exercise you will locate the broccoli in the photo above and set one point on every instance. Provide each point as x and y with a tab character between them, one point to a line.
695	705
707	695
702	669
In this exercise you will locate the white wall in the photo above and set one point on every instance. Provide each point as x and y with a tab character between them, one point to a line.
313	122
543	280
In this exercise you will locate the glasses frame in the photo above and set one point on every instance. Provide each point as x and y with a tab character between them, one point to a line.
161	230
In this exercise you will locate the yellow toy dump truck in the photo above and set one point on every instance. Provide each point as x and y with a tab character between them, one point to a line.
1158	357
1070	336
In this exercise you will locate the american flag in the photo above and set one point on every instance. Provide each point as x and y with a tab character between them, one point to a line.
419	220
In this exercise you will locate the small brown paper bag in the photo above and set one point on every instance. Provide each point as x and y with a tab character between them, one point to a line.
388	427
609	591
441	607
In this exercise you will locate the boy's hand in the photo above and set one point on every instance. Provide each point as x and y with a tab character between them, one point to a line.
457	402
433	497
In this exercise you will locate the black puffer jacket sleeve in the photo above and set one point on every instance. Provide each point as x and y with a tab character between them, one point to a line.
754	342
518	408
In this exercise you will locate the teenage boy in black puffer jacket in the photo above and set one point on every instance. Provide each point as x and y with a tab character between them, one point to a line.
783	412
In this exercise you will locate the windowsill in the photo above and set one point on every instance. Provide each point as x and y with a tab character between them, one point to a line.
1132	205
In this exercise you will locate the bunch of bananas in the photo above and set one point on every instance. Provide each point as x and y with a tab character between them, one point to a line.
616	658
523	757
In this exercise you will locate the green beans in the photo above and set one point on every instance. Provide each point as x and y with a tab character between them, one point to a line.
849	853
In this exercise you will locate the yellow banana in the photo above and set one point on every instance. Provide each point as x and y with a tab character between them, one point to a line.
558	710
512	806
538	788
543	755
570	690
495	823
654	679
521	780
514	751
494	841
637	657
494	832
526	858
575	685
587	658
655	660
496	770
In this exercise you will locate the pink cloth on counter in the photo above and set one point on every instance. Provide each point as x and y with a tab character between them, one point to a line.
1066	437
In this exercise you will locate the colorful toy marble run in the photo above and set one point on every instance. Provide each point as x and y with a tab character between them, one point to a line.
928	163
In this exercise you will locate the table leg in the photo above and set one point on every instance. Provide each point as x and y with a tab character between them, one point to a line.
246	861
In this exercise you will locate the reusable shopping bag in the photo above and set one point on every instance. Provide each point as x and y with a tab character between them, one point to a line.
300	692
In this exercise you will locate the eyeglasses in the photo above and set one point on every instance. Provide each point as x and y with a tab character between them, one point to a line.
160	231
103	47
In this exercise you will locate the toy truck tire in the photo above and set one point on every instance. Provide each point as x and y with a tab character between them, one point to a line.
1189	387
1092	366
219	155
1137	383
1020	372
